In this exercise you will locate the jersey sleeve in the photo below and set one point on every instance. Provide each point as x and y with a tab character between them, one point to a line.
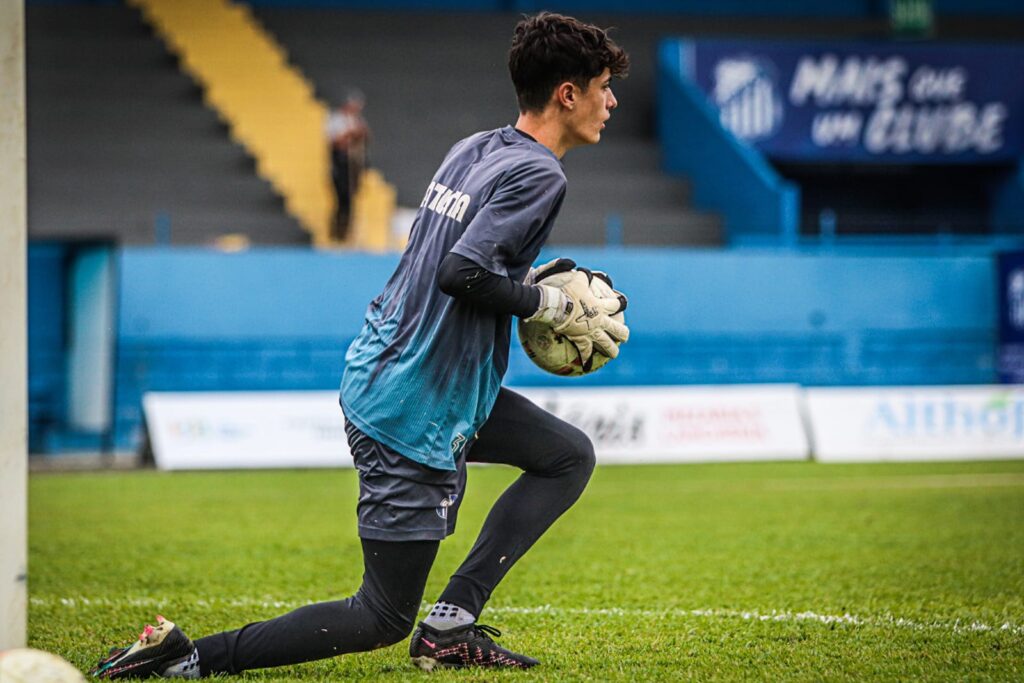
523	206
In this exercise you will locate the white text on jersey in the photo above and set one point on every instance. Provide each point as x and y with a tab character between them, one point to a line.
446	202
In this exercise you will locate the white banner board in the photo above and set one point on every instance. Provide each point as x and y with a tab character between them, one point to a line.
683	424
627	425
916	423
229	430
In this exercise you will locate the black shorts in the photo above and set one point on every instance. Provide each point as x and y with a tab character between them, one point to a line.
401	499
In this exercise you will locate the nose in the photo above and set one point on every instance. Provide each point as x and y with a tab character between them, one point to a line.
612	102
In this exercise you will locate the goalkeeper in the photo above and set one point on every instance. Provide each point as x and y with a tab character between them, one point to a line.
422	393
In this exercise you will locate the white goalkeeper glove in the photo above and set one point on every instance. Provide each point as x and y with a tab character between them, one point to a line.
559	266
583	318
553	267
553	303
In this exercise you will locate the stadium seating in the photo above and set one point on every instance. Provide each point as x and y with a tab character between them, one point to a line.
899	199
120	143
431	77
439	77
268	105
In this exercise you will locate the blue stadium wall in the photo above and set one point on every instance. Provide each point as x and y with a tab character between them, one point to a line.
271	319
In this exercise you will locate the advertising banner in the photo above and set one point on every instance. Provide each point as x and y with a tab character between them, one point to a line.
683	424
626	424
233	430
870	102
916	423
1010	354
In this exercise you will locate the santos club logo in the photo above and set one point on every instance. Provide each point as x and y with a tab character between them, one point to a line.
446	502
748	102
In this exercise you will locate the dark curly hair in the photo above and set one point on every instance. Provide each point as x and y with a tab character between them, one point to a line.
548	49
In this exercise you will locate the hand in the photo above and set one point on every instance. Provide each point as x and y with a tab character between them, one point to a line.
566	302
551	299
588	324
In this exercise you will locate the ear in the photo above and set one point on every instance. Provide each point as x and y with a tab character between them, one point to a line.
565	93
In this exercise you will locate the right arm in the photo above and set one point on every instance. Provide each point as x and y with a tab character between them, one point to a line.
462	278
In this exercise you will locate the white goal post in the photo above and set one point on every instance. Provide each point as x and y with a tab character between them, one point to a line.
13	329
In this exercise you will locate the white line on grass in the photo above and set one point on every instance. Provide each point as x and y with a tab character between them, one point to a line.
913	481
869	483
858	483
880	621
958	626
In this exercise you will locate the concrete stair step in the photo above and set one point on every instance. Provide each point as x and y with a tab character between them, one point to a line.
117	135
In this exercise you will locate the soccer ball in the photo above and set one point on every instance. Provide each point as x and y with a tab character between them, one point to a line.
26	665
551	351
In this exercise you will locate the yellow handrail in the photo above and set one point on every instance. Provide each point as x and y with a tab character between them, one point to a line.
269	107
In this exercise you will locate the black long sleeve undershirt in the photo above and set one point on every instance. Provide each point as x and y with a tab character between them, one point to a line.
463	278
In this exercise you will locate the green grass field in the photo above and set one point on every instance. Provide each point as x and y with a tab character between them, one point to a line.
770	571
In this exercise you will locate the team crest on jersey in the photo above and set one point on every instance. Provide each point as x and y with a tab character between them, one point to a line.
446	201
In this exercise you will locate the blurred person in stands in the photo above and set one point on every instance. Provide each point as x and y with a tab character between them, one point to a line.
422	392
347	133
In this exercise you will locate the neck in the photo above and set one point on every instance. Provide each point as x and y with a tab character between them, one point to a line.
545	129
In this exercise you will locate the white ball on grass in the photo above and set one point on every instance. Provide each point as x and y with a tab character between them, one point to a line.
27	665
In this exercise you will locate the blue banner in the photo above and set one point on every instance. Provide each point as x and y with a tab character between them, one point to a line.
1010	356
863	101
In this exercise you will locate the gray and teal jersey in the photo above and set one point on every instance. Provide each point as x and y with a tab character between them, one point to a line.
424	372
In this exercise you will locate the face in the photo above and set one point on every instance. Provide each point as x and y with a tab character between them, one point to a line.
591	108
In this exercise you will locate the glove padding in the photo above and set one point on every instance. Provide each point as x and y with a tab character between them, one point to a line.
564	265
588	323
607	280
553	267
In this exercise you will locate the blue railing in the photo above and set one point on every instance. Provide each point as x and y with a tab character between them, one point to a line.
757	205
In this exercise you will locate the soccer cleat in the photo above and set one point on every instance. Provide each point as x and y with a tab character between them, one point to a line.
466	646
157	649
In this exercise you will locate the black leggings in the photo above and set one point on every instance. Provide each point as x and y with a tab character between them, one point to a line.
382	612
557	460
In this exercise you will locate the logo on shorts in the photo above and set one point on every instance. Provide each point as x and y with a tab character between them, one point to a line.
446	502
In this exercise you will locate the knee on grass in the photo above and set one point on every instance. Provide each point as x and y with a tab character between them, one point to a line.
390	633
392	626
